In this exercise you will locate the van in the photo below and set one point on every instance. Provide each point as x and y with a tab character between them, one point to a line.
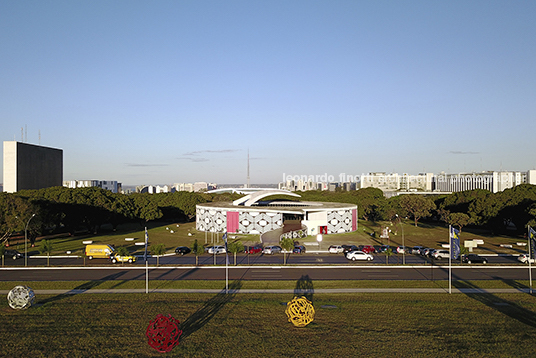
99	251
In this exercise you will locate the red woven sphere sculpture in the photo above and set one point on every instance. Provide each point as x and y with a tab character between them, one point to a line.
163	333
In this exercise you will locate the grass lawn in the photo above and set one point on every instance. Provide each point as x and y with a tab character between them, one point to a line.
250	325
184	234
264	285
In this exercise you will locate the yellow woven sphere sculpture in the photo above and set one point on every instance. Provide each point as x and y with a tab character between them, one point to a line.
300	311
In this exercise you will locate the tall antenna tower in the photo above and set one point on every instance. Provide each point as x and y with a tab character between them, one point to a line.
248	170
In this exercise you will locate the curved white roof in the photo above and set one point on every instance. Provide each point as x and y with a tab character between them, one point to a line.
251	199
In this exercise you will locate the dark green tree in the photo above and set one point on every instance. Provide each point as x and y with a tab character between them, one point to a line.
235	247
197	250
459	220
46	248
417	206
158	250
287	244
122	251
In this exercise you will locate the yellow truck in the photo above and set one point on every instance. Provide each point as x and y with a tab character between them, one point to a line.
99	251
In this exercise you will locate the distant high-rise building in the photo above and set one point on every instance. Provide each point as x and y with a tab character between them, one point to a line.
29	166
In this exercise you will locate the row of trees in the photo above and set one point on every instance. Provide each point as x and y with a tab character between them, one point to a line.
513	208
71	210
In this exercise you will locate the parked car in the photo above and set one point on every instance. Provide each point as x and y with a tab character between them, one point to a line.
299	249
253	249
215	250
182	250
524	258
416	250
402	250
368	249
348	248
473	258
14	254
441	254
335	249
359	255
384	248
426	251
270	250
118	258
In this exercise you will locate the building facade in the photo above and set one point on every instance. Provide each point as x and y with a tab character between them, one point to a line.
251	215
29	166
111	185
493	181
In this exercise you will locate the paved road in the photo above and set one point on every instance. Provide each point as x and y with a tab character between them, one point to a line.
313	258
292	273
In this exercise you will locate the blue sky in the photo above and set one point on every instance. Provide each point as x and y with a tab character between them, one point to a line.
159	92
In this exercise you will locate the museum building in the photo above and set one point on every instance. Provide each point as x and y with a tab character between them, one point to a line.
253	215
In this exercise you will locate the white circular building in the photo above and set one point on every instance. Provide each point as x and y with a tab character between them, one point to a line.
252	215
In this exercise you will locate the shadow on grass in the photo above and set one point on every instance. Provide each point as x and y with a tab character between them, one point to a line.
81	288
508	308
305	288
512	283
203	315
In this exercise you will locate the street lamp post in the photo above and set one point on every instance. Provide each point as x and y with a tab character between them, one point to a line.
26	241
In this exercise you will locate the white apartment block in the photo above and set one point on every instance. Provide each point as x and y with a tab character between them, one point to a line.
200	186
397	182
383	181
153	189
111	185
494	181
183	187
302	185
195	187
491	180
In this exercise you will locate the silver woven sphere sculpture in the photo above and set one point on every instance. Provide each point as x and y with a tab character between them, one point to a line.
20	297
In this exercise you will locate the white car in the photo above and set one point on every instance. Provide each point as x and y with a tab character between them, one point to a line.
270	250
524	258
335	249
402	249
216	250
359	255
441	254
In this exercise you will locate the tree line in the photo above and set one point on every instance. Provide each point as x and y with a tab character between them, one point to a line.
61	209
509	211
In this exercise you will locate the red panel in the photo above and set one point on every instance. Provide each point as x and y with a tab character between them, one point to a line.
232	221
354	219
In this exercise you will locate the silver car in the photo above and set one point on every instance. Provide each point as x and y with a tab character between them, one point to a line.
216	250
441	254
359	255
270	250
335	249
